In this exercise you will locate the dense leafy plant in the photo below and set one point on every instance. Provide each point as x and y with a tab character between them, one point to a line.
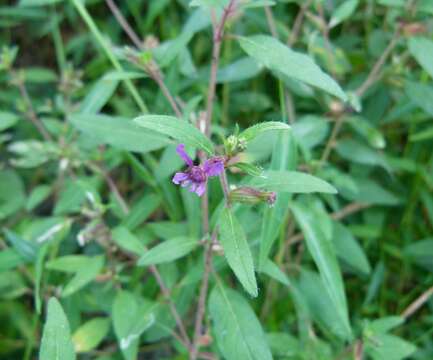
238	179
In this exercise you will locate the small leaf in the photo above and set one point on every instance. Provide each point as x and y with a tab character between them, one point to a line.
255	130
7	120
85	269
292	182
422	49
343	12
99	95
89	335
130	319
249	169
127	241
56	341
242	69
237	330
178	129
25	248
276	56
237	251
168	251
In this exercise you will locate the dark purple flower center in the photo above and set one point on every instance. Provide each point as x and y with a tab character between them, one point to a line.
197	174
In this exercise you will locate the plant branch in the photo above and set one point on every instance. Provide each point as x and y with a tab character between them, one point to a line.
218	32
202	297
418	303
373	76
124	23
155	74
31	114
293	37
172	306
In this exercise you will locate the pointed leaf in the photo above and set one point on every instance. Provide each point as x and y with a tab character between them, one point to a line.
323	253
255	130
276	56
237	251
237	330
169	250
178	129
292	182
56	341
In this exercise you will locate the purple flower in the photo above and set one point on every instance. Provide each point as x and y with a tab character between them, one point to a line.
195	176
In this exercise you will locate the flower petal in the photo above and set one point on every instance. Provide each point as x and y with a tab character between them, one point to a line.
201	188
214	166
180	149
180	177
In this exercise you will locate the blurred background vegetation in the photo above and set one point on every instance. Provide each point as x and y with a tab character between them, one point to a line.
83	191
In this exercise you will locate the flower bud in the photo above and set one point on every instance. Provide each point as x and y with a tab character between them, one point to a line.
249	195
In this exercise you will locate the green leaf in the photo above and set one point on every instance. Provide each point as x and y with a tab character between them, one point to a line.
38	195
99	95
426	134
292	182
25	248
168	251
141	210
10	259
130	319
12	196
118	132
56	341
255	130
85	269
343	12
7	120
284	157
320	305
422	50
363	127
237	330
127	241
242	69
348	249
383	325
237	251
323	253
276	56
389	347
420	94
178	129
37	2
89	335
249	169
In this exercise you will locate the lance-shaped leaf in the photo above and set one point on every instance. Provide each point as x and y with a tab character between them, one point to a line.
118	132
178	129
168	251
292	182
56	339
276	56
238	331
237	251
255	130
323	253
130	319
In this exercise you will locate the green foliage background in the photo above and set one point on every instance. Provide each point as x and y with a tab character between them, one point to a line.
103	257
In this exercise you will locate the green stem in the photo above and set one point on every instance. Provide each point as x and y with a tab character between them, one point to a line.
58	44
100	39
282	101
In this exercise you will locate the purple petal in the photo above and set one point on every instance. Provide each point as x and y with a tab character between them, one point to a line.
201	188
180	177
213	166
180	149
